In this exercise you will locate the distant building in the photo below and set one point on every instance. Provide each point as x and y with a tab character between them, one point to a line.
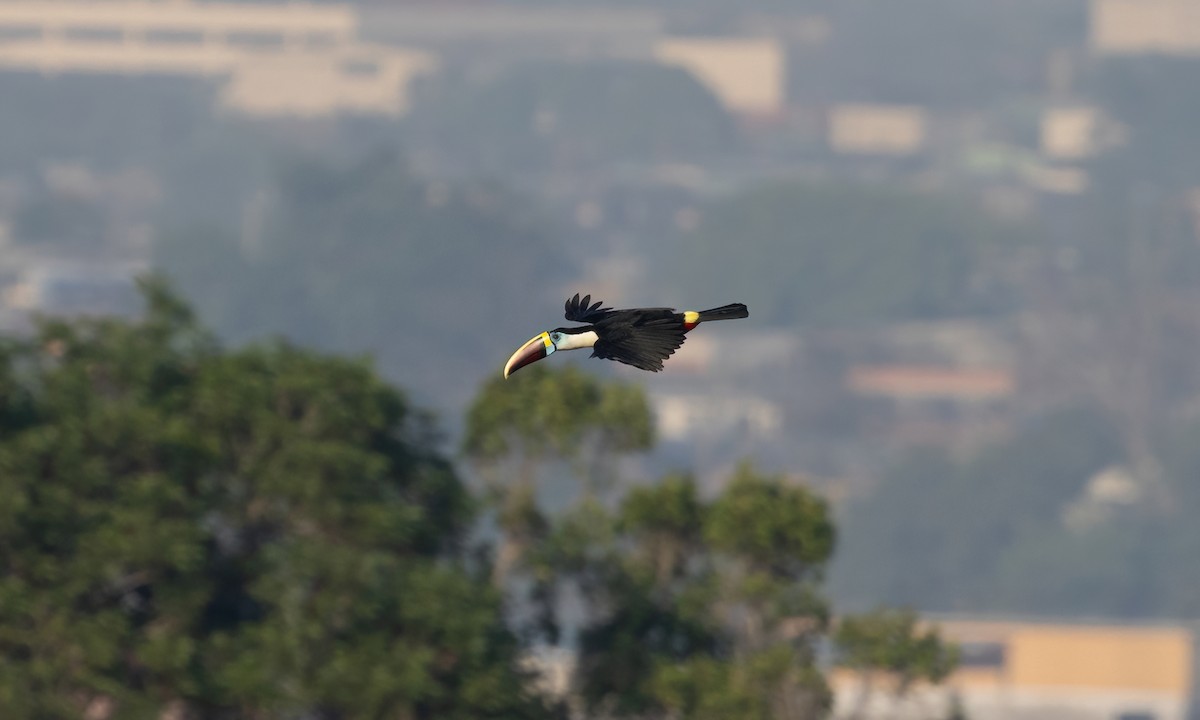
275	59
1057	180
746	74
685	411
310	59
950	383
932	404
1069	133
877	129
74	288
1010	670
690	415
518	29
962	362
726	353
1131	27
915	382
1045	670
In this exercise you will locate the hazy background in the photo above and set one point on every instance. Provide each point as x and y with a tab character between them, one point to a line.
967	232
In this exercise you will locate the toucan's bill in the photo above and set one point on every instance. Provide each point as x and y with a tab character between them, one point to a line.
537	348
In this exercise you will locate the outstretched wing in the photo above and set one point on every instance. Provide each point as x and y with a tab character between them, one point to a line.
645	344
579	311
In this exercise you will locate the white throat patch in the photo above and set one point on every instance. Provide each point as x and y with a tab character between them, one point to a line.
576	341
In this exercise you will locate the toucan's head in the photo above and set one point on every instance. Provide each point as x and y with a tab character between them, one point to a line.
547	343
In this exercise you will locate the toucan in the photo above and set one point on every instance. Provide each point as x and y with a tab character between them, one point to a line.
641	337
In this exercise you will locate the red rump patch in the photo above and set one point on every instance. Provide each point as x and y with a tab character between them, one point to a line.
689	325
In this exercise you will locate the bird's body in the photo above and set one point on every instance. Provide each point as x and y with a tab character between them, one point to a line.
641	337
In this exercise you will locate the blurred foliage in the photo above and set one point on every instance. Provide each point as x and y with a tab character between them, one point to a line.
891	642
59	220
756	519
1020	527
250	534
269	532
691	607
1136	234
938	531
827	254
1178	577
366	258
685	617
1133	560
563	116
1153	98
540	417
543	413
40	118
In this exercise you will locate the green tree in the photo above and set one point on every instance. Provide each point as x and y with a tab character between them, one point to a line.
250	534
684	607
541	418
690	613
892	643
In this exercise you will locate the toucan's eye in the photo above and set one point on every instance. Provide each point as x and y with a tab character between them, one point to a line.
555	337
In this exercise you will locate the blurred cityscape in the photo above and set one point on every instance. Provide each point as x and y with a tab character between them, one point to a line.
968	232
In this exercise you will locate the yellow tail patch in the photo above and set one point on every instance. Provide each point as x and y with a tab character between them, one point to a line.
690	319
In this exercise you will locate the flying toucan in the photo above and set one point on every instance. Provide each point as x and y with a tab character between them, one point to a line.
641	337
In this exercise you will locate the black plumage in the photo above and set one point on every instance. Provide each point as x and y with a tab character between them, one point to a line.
641	337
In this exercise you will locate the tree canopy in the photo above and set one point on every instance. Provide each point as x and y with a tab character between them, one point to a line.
689	614
520	429
269	532
892	644
260	533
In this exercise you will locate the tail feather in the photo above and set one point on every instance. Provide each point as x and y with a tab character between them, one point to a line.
733	311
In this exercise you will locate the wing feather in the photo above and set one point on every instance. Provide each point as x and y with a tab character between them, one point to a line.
579	310
644	345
